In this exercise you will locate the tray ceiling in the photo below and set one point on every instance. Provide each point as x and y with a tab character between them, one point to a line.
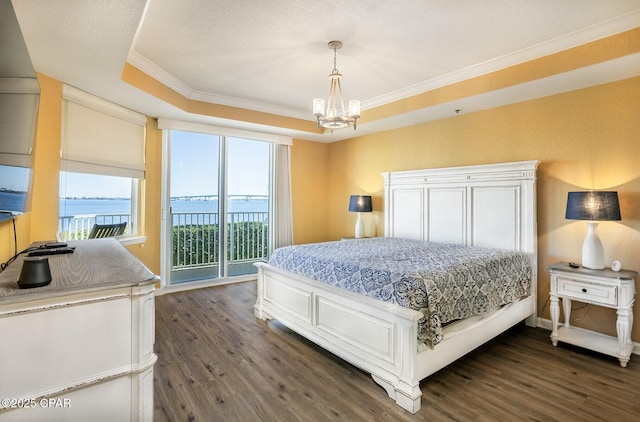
272	56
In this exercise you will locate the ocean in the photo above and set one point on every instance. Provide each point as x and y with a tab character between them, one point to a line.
77	207
198	211
12	201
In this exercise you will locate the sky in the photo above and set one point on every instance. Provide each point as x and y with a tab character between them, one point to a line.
194	170
14	178
82	185
194	165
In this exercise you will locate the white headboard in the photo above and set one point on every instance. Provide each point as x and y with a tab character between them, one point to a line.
490	205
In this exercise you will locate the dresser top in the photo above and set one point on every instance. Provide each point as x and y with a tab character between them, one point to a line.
607	272
96	264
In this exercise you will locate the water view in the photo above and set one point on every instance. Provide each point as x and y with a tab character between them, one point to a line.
90	206
79	215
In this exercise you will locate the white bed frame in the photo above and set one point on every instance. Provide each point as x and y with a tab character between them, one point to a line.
486	205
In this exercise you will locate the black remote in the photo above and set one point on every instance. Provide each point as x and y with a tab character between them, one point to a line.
53	245
51	251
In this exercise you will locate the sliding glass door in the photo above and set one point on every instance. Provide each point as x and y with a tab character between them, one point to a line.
247	193
217	220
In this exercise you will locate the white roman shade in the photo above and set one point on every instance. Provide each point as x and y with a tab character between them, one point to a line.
101	137
18	115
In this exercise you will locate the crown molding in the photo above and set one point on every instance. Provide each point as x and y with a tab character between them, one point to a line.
156	72
565	42
601	30
250	105
167	79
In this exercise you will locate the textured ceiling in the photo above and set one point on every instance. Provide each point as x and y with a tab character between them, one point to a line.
272	55
275	52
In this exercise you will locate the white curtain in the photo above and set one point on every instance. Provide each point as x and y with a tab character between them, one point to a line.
281	215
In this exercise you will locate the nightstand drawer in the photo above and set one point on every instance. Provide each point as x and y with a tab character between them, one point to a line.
586	291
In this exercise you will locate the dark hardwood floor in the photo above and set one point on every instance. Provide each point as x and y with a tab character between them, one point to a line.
217	362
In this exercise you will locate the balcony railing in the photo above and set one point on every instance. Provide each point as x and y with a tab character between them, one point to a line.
79	226
195	236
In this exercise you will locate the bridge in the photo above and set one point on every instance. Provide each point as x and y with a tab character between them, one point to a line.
215	197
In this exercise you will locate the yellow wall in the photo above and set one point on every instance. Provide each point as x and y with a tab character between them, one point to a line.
7	247
310	191
46	161
586	139
151	190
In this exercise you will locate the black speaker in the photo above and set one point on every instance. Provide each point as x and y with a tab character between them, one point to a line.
35	272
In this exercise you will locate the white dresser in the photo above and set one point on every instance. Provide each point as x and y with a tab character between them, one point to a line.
80	348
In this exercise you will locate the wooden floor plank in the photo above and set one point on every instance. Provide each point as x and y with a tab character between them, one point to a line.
217	362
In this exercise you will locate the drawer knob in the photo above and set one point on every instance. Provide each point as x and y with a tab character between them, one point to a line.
584	290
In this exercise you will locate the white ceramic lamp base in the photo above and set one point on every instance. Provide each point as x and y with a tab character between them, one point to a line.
359	227
592	250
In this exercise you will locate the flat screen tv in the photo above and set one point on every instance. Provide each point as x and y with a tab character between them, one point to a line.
14	185
19	101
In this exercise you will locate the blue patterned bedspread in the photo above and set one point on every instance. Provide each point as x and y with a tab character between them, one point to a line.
445	282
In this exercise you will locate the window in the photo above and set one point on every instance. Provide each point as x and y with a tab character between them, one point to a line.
102	164
87	199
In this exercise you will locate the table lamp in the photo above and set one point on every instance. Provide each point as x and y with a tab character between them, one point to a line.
593	206
360	204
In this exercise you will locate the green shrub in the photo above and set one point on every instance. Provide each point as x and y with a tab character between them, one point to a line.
197	245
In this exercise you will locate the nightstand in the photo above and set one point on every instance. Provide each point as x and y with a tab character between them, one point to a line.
612	289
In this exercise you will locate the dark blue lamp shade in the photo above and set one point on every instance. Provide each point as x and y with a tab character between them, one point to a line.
593	206
360	203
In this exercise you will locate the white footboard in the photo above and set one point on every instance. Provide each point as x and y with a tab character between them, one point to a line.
377	337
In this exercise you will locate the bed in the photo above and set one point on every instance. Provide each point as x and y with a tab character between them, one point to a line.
485	206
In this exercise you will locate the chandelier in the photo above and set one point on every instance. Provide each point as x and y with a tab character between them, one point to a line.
335	116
